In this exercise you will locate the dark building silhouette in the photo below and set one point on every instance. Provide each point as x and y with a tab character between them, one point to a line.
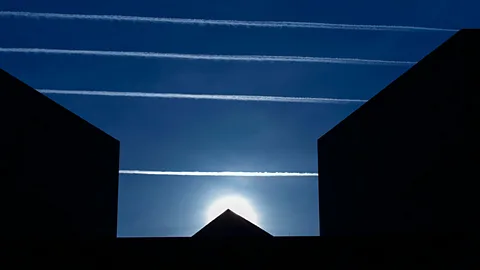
59	173
229	224
407	160
404	162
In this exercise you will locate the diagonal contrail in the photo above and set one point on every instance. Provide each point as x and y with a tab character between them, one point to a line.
203	96
264	24
238	174
255	58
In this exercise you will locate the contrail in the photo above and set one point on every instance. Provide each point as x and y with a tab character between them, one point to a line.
256	58
264	24
238	174
203	96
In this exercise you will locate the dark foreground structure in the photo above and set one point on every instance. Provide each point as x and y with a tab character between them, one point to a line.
407	161
59	173
229	224
400	167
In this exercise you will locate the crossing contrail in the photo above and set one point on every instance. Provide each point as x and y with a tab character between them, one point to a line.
264	24
203	96
256	58
238	174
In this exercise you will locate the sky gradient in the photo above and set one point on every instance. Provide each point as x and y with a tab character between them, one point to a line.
176	134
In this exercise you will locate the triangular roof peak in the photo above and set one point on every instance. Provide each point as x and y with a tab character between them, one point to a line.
230	224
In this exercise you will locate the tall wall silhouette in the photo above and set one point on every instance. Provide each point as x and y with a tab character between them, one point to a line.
405	161
59	174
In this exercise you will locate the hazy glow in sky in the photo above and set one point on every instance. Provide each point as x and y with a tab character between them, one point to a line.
237	204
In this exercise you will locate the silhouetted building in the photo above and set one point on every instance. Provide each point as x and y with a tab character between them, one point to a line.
407	160
229	224
59	173
404	162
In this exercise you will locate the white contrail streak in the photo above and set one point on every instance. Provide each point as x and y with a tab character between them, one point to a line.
264	24
256	58
202	96
238	174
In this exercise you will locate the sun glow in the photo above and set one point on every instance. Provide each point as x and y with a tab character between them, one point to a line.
237	204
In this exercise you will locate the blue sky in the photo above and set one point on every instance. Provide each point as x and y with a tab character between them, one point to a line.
191	135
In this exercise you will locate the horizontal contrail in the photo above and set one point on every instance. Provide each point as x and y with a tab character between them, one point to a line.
238	174
202	96
264	24
256	58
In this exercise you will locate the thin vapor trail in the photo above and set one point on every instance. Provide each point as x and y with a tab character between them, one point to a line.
238	174
202	96
264	24
256	58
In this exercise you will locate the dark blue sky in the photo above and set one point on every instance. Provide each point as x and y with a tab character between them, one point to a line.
189	135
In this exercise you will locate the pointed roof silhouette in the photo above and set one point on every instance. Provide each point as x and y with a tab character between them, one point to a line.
229	224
